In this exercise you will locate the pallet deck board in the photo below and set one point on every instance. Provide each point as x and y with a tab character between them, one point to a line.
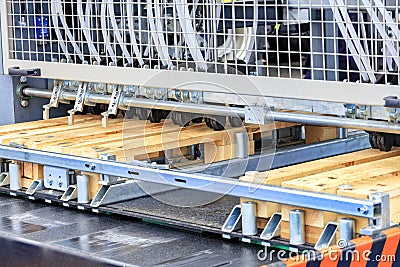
365	172
86	137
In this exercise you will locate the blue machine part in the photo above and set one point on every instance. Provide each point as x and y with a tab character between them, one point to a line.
42	27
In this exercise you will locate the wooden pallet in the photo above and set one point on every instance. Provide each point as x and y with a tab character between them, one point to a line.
129	139
364	172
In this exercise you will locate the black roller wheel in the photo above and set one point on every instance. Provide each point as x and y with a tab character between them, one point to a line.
373	140
164	113
142	113
385	142
198	119
208	122
218	123
396	140
155	116
181	118
235	121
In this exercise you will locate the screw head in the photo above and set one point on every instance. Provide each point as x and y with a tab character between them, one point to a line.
50	180
24	103
59	182
363	210
23	79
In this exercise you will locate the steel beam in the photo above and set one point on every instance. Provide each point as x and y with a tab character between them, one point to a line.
367	125
327	91
284	157
213	184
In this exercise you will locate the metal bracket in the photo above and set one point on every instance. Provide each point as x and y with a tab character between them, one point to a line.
36	185
382	222
54	100
272	229
357	112
4	179
56	178
79	102
233	222
123	191
113	105
70	194
327	236
23	100
257	115
16	71
104	178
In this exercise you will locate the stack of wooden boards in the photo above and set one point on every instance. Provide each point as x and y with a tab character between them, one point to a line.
137	138
356	175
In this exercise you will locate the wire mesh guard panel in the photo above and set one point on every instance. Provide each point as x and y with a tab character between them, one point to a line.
337	40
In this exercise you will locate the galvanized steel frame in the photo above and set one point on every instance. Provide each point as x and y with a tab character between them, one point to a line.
333	203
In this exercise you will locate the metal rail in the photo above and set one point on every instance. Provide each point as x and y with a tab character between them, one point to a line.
227	186
367	125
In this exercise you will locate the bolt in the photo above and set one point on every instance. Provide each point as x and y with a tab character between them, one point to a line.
59	182
24	103
50	180
91	166
363	210
23	79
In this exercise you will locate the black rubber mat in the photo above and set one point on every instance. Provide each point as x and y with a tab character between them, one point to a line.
38	234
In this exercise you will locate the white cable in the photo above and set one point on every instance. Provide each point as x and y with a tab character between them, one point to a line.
117	33
378	25
131	26
160	33
355	38
395	30
354	42
104	31
252	34
364	34
388	18
153	31
214	40
343	30
84	20
57	30
60	12
189	33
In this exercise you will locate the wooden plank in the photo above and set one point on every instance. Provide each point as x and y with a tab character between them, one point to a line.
26	182
28	170
366	187
94	185
264	210
158	142
73	146
312	217
315	134
74	135
24	137
328	182
32	125
37	171
277	176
